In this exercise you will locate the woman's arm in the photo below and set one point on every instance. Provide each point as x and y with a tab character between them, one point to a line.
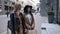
33	26
33	23
26	22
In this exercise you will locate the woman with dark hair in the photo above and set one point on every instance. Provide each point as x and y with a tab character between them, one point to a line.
29	19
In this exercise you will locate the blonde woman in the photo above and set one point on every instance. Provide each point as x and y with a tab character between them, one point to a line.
16	20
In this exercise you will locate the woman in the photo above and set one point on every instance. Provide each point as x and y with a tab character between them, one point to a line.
16	19
29	19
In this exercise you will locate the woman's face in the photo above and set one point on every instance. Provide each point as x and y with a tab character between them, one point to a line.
28	9
18	12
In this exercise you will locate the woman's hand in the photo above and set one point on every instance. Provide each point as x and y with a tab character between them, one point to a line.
33	26
16	32
26	30
28	26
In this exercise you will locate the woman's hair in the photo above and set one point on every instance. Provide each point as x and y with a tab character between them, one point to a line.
17	7
26	7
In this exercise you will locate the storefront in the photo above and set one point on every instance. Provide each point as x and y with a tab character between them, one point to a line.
8	8
59	12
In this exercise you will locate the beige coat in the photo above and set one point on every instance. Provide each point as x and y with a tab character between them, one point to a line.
29	26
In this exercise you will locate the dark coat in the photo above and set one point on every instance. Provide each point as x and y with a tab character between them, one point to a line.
16	25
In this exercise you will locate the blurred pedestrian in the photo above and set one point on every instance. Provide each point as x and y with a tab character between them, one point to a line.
29	19
7	13
16	20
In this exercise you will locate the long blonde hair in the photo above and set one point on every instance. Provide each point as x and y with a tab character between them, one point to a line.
17	7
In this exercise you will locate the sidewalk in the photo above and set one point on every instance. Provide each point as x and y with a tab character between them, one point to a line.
51	28
3	24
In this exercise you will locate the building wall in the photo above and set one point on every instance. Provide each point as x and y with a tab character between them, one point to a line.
43	8
46	6
54	2
0	5
59	12
54	6
55	9
7	3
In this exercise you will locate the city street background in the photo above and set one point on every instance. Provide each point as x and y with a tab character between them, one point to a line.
41	17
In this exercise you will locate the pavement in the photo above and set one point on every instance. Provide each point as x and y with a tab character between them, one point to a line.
38	22
50	28
3	24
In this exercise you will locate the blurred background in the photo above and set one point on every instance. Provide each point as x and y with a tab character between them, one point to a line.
46	14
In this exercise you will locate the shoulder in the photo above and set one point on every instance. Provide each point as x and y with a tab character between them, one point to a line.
12	14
